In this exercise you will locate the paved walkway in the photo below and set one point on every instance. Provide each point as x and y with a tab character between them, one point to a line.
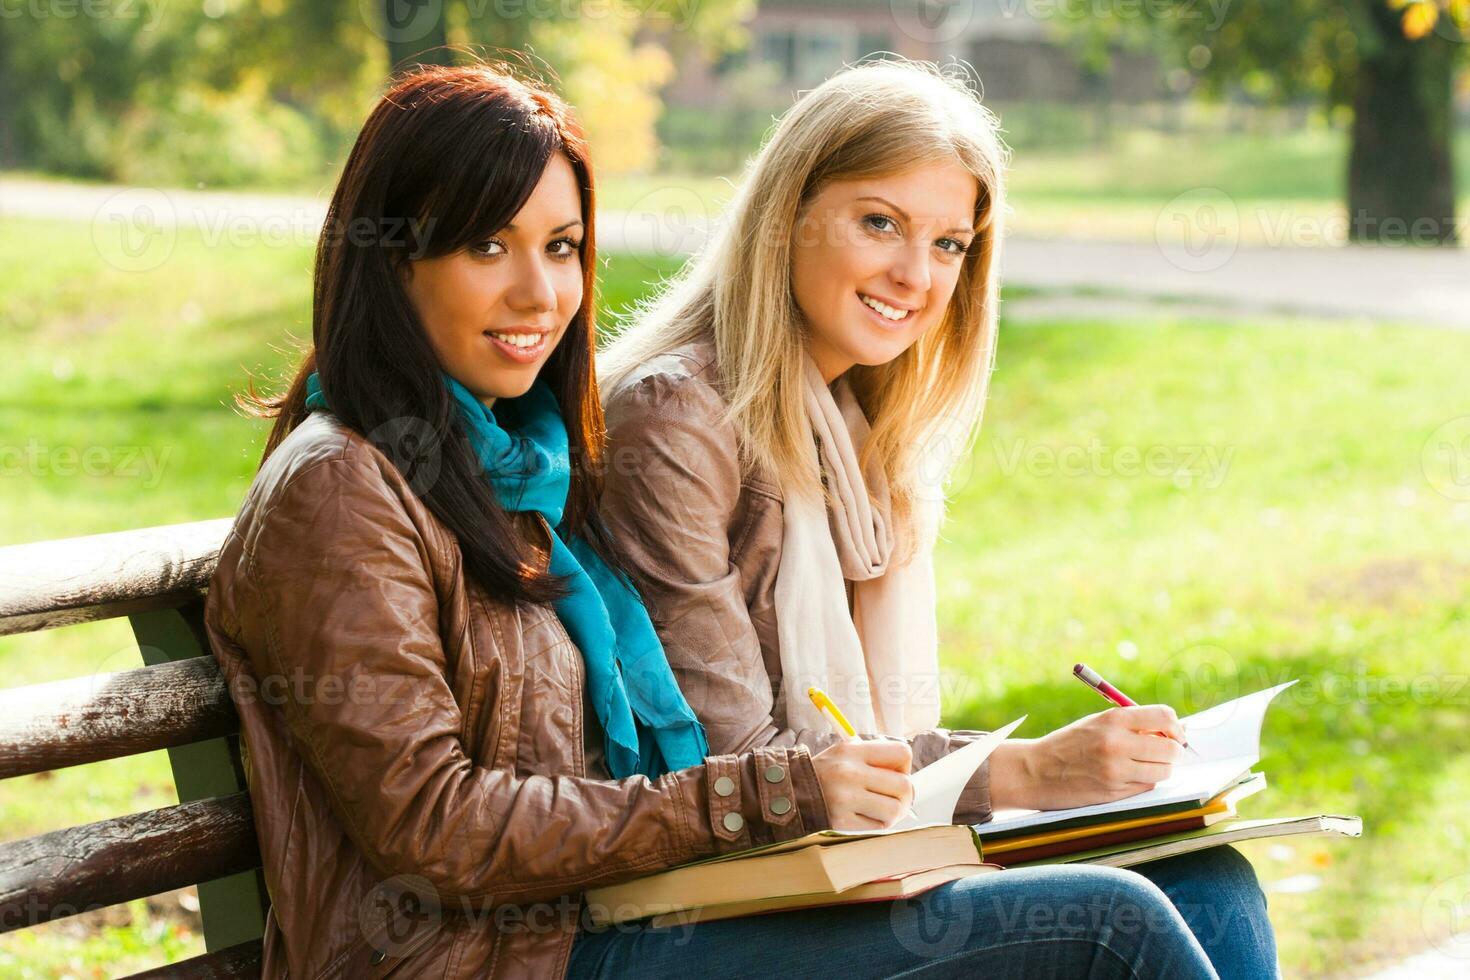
1208	276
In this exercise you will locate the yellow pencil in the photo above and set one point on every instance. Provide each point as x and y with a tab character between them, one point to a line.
834	714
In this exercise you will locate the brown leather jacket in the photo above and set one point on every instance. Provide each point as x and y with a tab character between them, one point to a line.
428	789
704	534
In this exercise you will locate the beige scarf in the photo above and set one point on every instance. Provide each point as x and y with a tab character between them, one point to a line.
879	662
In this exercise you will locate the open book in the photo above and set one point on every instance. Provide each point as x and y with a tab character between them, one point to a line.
1225	741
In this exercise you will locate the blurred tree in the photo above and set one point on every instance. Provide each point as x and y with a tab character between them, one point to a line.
272	91
1391	62
415	32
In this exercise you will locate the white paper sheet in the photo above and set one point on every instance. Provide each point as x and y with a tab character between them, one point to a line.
1226	740
937	787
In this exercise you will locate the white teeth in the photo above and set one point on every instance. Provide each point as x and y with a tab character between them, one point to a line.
887	312
519	339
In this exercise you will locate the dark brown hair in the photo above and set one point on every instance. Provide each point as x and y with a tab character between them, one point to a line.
446	159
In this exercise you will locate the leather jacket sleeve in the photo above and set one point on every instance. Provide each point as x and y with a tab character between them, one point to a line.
342	600
671	499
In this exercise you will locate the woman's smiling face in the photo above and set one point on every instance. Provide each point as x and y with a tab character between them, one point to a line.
875	262
494	312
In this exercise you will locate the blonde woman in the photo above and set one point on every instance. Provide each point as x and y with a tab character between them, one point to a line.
780	421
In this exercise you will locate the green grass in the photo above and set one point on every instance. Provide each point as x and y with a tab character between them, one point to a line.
1317	548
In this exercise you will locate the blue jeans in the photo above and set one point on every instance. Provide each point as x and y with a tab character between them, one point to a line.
1059	921
1217	894
1015	925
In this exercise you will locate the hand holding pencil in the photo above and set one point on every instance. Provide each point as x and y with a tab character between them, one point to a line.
865	783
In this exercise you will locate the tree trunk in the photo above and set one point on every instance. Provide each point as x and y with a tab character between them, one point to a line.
1401	182
414	30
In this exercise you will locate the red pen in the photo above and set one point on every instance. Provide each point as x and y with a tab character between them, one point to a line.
1094	680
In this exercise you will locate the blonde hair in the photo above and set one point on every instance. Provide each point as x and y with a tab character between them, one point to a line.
873	120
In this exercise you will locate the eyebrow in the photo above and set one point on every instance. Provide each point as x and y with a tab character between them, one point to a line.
905	215
557	229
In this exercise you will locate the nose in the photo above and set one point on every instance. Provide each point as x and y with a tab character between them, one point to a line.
910	269
532	291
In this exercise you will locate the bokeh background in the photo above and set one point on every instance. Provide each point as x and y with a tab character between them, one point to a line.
1228	439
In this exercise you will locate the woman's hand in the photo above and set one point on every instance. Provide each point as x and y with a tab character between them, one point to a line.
1097	759
865	783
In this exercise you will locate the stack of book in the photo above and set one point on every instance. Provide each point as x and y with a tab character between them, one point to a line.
1196	808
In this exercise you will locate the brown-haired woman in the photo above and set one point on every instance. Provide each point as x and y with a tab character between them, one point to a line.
457	716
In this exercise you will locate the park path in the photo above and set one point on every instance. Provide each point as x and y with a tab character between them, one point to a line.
1208	276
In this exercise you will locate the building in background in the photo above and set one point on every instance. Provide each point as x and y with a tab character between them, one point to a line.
1019	57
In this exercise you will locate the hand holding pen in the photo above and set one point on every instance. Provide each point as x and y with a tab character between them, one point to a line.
1094	680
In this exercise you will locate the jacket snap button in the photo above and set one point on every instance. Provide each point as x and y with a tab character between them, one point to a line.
724	786
733	822
780	805
377	957
774	774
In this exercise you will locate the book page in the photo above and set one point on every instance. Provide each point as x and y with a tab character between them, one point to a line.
937	787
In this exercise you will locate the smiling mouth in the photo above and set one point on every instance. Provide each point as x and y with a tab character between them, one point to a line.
521	347
521	341
893	314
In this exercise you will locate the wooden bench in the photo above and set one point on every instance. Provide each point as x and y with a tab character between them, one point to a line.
177	701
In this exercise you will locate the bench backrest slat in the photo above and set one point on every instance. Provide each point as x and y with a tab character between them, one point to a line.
106	716
78	869
103	576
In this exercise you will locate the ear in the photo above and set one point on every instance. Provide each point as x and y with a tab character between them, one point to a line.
404	267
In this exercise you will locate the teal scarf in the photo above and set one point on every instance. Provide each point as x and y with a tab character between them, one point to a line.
647	725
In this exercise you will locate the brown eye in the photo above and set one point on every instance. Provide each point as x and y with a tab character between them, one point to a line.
488	248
